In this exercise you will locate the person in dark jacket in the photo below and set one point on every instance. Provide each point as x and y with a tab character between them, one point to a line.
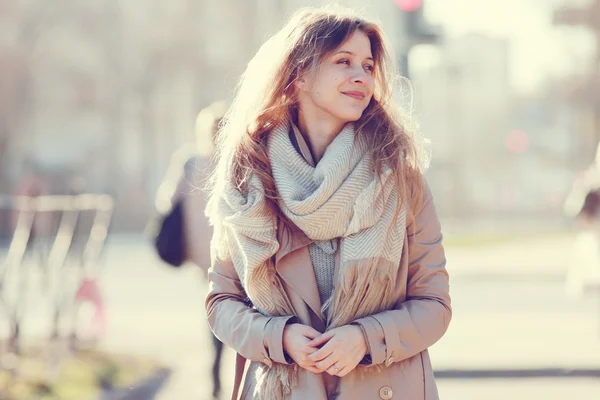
184	181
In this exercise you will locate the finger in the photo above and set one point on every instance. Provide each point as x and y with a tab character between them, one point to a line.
344	371
325	337
325	364
320	354
306	351
334	370
311	368
310	332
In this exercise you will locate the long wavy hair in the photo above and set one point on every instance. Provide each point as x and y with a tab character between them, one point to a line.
265	98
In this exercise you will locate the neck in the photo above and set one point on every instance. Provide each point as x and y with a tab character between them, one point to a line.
318	132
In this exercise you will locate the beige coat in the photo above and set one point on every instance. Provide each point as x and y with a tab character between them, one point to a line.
397	339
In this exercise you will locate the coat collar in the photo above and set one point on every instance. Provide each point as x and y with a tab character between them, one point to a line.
293	264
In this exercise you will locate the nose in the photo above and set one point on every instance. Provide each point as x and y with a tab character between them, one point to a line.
360	77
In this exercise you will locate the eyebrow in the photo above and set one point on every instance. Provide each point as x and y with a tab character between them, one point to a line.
352	54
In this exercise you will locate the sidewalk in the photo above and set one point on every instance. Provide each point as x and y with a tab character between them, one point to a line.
509	314
534	389
533	323
509	324
543	257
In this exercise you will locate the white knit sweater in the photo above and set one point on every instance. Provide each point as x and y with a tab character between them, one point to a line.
322	255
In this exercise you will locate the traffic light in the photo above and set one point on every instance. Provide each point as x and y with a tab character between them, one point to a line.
417	30
409	5
517	141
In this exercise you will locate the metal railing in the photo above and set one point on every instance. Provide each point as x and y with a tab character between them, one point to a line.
52	245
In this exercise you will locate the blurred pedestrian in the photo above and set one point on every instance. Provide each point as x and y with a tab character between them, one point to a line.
328	268
185	235
583	204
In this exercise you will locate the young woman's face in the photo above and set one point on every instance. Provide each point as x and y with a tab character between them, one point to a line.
342	85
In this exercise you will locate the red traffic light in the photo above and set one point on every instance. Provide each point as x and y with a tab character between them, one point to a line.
517	141
409	5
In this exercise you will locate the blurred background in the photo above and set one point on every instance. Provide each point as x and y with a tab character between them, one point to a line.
97	96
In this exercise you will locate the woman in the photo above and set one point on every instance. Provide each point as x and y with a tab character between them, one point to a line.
328	271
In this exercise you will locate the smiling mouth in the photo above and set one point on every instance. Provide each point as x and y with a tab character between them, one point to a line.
355	95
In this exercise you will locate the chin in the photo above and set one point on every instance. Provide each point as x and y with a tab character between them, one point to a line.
351	116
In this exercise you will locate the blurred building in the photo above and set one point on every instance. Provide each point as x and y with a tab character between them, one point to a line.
463	102
497	155
108	90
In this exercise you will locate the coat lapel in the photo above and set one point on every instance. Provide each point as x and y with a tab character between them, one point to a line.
294	265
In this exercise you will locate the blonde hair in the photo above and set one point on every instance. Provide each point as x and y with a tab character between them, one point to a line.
265	98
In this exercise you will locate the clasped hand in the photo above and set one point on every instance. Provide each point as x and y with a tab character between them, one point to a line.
336	352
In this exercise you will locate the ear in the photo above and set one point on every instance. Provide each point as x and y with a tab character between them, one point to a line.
300	83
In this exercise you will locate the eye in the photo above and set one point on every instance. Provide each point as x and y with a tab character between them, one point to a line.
369	67
344	61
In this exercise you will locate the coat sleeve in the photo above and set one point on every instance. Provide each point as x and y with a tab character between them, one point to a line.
423	318
236	323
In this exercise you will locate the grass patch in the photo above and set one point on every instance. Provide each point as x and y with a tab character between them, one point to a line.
41	375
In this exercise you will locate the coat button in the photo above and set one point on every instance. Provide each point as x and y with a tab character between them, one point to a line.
386	393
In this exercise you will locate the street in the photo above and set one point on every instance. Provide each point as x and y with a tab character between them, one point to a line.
122	120
508	322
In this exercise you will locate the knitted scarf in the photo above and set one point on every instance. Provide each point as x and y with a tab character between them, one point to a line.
342	197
